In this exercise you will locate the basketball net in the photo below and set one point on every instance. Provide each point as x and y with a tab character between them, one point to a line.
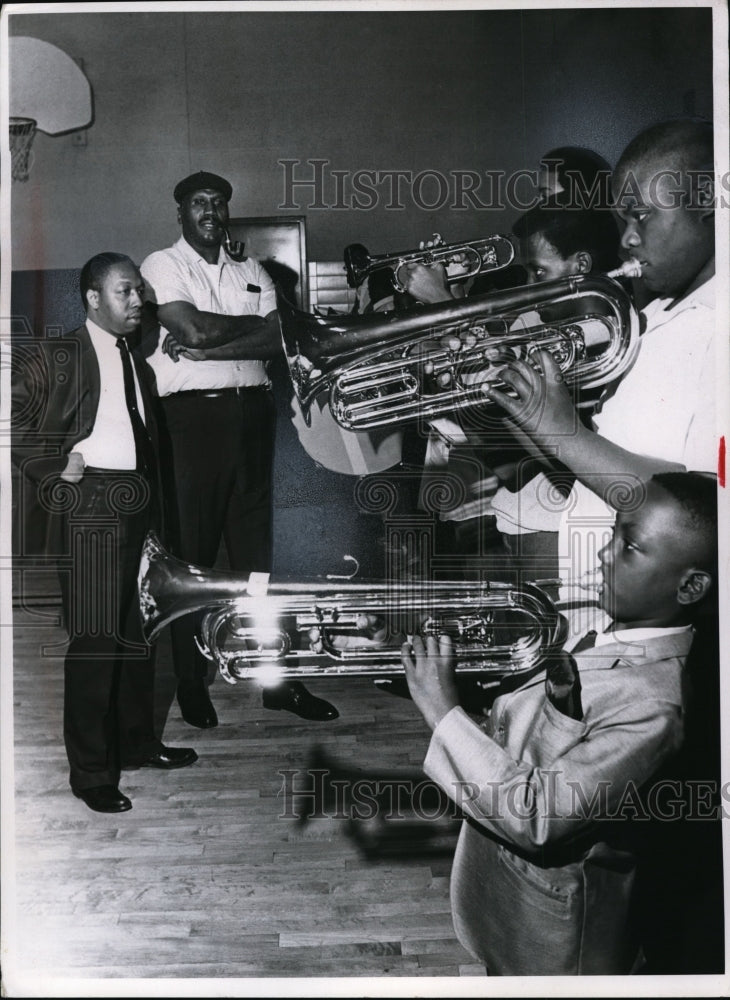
22	133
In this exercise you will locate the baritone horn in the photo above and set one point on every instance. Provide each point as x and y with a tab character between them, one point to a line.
387	369
489	254
254	629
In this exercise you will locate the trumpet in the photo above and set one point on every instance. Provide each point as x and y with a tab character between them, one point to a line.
489	254
254	629
388	369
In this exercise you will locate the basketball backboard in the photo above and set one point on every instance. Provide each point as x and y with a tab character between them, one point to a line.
47	86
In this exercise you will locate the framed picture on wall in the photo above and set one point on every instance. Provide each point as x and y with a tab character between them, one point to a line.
280	243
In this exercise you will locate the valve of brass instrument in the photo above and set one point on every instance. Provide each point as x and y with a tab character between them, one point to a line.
460	262
463	358
462	628
566	346
362	631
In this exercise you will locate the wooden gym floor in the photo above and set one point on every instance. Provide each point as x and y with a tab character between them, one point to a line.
210	875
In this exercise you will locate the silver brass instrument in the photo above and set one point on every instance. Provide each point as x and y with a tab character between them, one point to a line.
386	369
476	256
266	633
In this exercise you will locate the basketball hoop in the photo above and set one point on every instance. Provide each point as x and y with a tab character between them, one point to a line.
22	133
48	93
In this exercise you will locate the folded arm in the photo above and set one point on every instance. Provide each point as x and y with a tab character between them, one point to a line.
254	337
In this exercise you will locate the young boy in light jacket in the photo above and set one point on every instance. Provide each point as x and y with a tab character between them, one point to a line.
543	873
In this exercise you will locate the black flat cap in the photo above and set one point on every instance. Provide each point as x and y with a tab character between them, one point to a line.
201	181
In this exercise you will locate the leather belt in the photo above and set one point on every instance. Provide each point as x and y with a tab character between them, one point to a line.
216	393
97	470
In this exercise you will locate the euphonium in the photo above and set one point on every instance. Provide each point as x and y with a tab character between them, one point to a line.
253	629
475	256
390	368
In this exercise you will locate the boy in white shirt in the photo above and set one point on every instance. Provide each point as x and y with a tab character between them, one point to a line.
662	416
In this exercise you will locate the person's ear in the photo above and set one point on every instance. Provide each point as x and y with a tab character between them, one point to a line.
179	215
584	261
693	586
92	299
580	262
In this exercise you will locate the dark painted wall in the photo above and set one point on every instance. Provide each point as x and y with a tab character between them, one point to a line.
419	91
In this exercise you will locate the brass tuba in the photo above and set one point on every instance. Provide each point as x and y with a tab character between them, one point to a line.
255	630
387	369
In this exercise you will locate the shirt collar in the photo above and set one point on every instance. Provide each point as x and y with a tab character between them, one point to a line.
632	635
630	647
706	293
193	257
98	334
702	296
628	644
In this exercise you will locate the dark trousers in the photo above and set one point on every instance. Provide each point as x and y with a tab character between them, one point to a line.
109	669
220	480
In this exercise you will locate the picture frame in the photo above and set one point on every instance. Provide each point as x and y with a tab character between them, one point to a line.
279	242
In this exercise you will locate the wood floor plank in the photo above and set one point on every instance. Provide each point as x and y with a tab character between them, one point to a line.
211	875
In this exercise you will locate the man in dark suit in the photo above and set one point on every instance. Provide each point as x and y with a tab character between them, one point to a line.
83	436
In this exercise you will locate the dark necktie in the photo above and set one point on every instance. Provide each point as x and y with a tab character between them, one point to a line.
587	642
562	685
562	681
142	442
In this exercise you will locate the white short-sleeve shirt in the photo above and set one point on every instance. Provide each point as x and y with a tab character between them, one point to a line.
664	407
228	287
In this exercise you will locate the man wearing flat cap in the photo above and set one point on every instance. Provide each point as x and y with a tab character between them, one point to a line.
218	328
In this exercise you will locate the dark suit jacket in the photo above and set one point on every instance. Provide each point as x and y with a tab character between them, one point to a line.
55	399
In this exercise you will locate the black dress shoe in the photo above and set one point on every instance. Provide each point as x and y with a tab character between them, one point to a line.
294	697
104	799
171	757
196	707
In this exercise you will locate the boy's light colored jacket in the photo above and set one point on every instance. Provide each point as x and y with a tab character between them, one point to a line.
536	888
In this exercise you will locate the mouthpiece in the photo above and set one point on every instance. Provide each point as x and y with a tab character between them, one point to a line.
591	580
629	269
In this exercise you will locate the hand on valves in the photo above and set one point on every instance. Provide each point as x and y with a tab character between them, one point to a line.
429	668
428	283
425	282
543	407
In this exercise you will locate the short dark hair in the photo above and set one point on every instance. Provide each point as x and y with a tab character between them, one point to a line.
685	142
695	493
571	230
583	174
94	272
